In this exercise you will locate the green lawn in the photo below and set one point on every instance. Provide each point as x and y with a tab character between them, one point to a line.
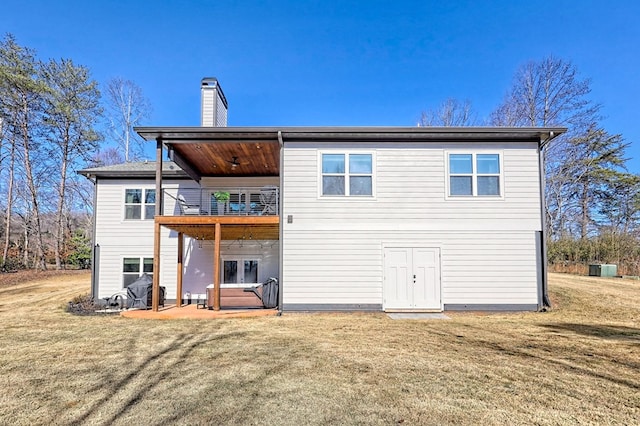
578	364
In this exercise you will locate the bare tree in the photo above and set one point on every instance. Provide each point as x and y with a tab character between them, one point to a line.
551	93
451	113
72	112
107	157
547	93
21	108
127	107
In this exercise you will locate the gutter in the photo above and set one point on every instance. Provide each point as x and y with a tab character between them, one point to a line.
281	227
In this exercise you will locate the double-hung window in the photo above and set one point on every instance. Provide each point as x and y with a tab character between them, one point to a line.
347	174
139	203
474	175
134	267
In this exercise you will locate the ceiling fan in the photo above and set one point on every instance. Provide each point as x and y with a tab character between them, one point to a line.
234	162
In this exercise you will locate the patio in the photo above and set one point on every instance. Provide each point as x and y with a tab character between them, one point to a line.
191	312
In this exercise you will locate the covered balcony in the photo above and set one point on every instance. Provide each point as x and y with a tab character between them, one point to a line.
222	201
234	194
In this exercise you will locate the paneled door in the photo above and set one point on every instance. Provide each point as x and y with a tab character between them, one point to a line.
412	278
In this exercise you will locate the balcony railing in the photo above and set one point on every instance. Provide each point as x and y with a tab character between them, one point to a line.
245	201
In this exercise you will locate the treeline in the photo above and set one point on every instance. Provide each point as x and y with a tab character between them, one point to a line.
592	200
48	112
51	114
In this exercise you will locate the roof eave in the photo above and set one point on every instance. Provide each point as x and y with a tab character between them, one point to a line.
175	135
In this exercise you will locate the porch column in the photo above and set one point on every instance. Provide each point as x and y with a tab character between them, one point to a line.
180	269
216	268
159	197
155	299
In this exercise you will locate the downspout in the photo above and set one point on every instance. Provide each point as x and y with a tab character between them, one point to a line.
94	252
281	230
543	293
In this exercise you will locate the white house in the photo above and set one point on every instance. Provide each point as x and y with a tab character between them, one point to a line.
347	218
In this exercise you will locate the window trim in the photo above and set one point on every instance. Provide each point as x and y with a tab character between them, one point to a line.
347	175
143	204
141	271
474	175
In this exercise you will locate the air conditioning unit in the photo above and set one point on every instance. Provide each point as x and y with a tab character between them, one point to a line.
603	270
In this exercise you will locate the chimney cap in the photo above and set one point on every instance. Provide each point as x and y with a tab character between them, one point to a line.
207	80
213	82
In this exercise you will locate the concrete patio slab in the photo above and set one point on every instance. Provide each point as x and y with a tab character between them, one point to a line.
418	316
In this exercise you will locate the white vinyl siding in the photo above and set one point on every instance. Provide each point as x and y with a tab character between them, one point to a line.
333	247
476	267
119	238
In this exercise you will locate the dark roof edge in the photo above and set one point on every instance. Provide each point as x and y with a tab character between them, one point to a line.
189	134
132	175
134	170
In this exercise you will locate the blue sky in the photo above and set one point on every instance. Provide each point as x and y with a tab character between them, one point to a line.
339	63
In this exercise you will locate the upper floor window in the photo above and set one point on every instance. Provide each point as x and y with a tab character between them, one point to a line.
139	203
347	174
474	175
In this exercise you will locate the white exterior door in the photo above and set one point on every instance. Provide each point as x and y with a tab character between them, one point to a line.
412	278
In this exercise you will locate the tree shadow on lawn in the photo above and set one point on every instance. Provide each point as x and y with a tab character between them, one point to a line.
548	354
612	332
153	373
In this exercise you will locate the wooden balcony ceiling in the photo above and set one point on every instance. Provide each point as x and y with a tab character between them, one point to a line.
232	228
252	158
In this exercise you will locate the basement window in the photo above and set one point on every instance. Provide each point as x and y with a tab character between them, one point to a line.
134	267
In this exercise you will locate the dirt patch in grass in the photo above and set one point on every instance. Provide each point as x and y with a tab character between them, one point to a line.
576	364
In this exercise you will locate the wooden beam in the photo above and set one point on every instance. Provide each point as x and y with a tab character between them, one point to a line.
155	296
184	165
180	269
216	269
224	220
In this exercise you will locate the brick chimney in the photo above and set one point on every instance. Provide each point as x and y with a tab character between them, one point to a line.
214	104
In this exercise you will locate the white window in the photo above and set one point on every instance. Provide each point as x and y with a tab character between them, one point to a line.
139	203
474	175
239	271
134	267
347	174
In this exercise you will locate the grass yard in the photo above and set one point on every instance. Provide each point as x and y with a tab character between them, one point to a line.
577	364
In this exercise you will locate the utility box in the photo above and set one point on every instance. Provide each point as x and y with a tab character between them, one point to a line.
603	270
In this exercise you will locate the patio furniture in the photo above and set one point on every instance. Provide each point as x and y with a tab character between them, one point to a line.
186	208
268	199
116	301
268	294
139	293
201	301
